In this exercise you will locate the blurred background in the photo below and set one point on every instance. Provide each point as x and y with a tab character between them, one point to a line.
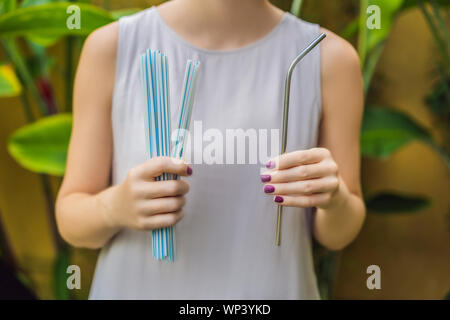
404	144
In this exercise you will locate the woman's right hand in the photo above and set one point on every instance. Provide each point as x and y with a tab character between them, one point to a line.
143	203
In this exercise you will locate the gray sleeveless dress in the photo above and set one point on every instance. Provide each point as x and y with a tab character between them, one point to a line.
226	240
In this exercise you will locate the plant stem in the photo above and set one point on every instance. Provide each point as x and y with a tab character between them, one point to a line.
362	36
62	250
370	66
23	96
435	32
442	25
24	73
6	252
27	108
49	200
441	151
68	73
296	7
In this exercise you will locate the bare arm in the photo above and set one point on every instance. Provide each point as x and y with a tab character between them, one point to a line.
81	217
342	102
88	211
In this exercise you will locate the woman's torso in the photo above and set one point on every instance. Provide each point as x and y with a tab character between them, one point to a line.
226	240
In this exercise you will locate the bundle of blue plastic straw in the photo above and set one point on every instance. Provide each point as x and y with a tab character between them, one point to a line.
155	80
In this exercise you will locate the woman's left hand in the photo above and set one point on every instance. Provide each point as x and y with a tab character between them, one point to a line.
306	178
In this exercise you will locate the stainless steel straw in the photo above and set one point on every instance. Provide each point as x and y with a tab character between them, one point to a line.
287	91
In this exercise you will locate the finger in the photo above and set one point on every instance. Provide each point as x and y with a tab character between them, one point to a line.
162	205
314	200
302	172
296	158
304	187
157	166
158	221
165	188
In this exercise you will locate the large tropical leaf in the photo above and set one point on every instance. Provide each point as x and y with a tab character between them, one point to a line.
385	203
372	39
40	39
385	130
7	5
50	20
42	146
9	84
369	38
353	27
31	3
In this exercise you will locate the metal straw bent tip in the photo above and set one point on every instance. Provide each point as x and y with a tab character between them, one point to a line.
287	91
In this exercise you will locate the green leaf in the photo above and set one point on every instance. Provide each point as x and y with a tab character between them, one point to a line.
385	130
117	14
447	296
7	6
408	4
442	152
42	146
39	63
45	41
9	83
23	72
371	64
350	29
37	38
353	27
369	38
387	203
50	20
31	3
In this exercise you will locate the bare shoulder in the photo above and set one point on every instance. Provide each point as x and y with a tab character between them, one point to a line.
101	44
342	83
94	80
338	55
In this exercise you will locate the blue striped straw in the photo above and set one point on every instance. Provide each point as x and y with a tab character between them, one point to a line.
187	101
155	80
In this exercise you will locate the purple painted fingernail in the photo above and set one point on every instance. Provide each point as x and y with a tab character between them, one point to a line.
270	164
265	177
189	170
269	189
279	199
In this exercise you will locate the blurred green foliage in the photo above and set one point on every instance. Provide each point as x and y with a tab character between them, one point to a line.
30	26
42	145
